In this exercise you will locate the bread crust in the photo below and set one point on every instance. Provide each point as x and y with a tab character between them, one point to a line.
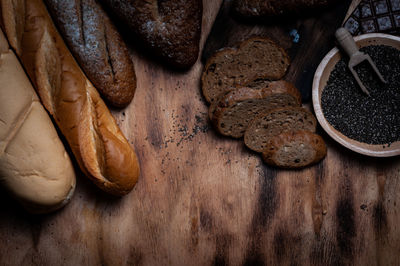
170	28
215	103
97	46
34	166
100	148
243	82
314	141
241	94
283	127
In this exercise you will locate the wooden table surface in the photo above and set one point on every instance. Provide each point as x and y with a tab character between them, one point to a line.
207	200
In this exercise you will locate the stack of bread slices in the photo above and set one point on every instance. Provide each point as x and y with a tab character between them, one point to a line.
249	99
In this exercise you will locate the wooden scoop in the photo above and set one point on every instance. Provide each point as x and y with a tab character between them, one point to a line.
356	57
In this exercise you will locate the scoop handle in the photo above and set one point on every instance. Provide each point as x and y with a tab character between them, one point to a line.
346	41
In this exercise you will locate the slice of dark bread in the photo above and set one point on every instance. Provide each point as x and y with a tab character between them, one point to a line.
254	84
97	46
255	58
294	149
268	125
238	107
258	83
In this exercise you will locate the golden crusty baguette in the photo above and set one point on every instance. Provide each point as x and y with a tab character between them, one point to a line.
102	151
34	166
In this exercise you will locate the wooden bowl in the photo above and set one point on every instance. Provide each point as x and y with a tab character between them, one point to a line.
321	77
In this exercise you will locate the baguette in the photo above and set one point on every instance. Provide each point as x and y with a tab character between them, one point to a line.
100	148
97	46
272	123
34	166
254	58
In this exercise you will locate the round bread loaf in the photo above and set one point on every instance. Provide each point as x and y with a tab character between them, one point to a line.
273	8
169	29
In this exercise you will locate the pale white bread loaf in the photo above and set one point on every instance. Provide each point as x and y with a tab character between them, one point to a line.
34	166
101	150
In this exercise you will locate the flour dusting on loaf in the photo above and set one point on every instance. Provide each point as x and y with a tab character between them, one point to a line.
97	46
169	29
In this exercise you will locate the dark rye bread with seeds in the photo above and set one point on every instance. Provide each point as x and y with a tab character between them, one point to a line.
273	8
238	107
254	58
258	83
268	125
169	29
294	149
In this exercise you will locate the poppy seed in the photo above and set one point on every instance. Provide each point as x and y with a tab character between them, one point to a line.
373	119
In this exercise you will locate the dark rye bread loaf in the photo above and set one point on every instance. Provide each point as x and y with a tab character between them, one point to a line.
238	107
170	28
294	149
273	123
97	46
254	58
272	8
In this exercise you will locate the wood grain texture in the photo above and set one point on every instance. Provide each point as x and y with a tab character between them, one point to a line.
206	200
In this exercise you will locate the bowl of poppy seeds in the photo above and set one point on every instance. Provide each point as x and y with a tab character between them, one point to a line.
369	125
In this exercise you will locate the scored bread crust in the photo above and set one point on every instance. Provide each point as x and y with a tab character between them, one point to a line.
27	139
226	52
281	143
100	148
215	103
97	46
234	96
257	126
